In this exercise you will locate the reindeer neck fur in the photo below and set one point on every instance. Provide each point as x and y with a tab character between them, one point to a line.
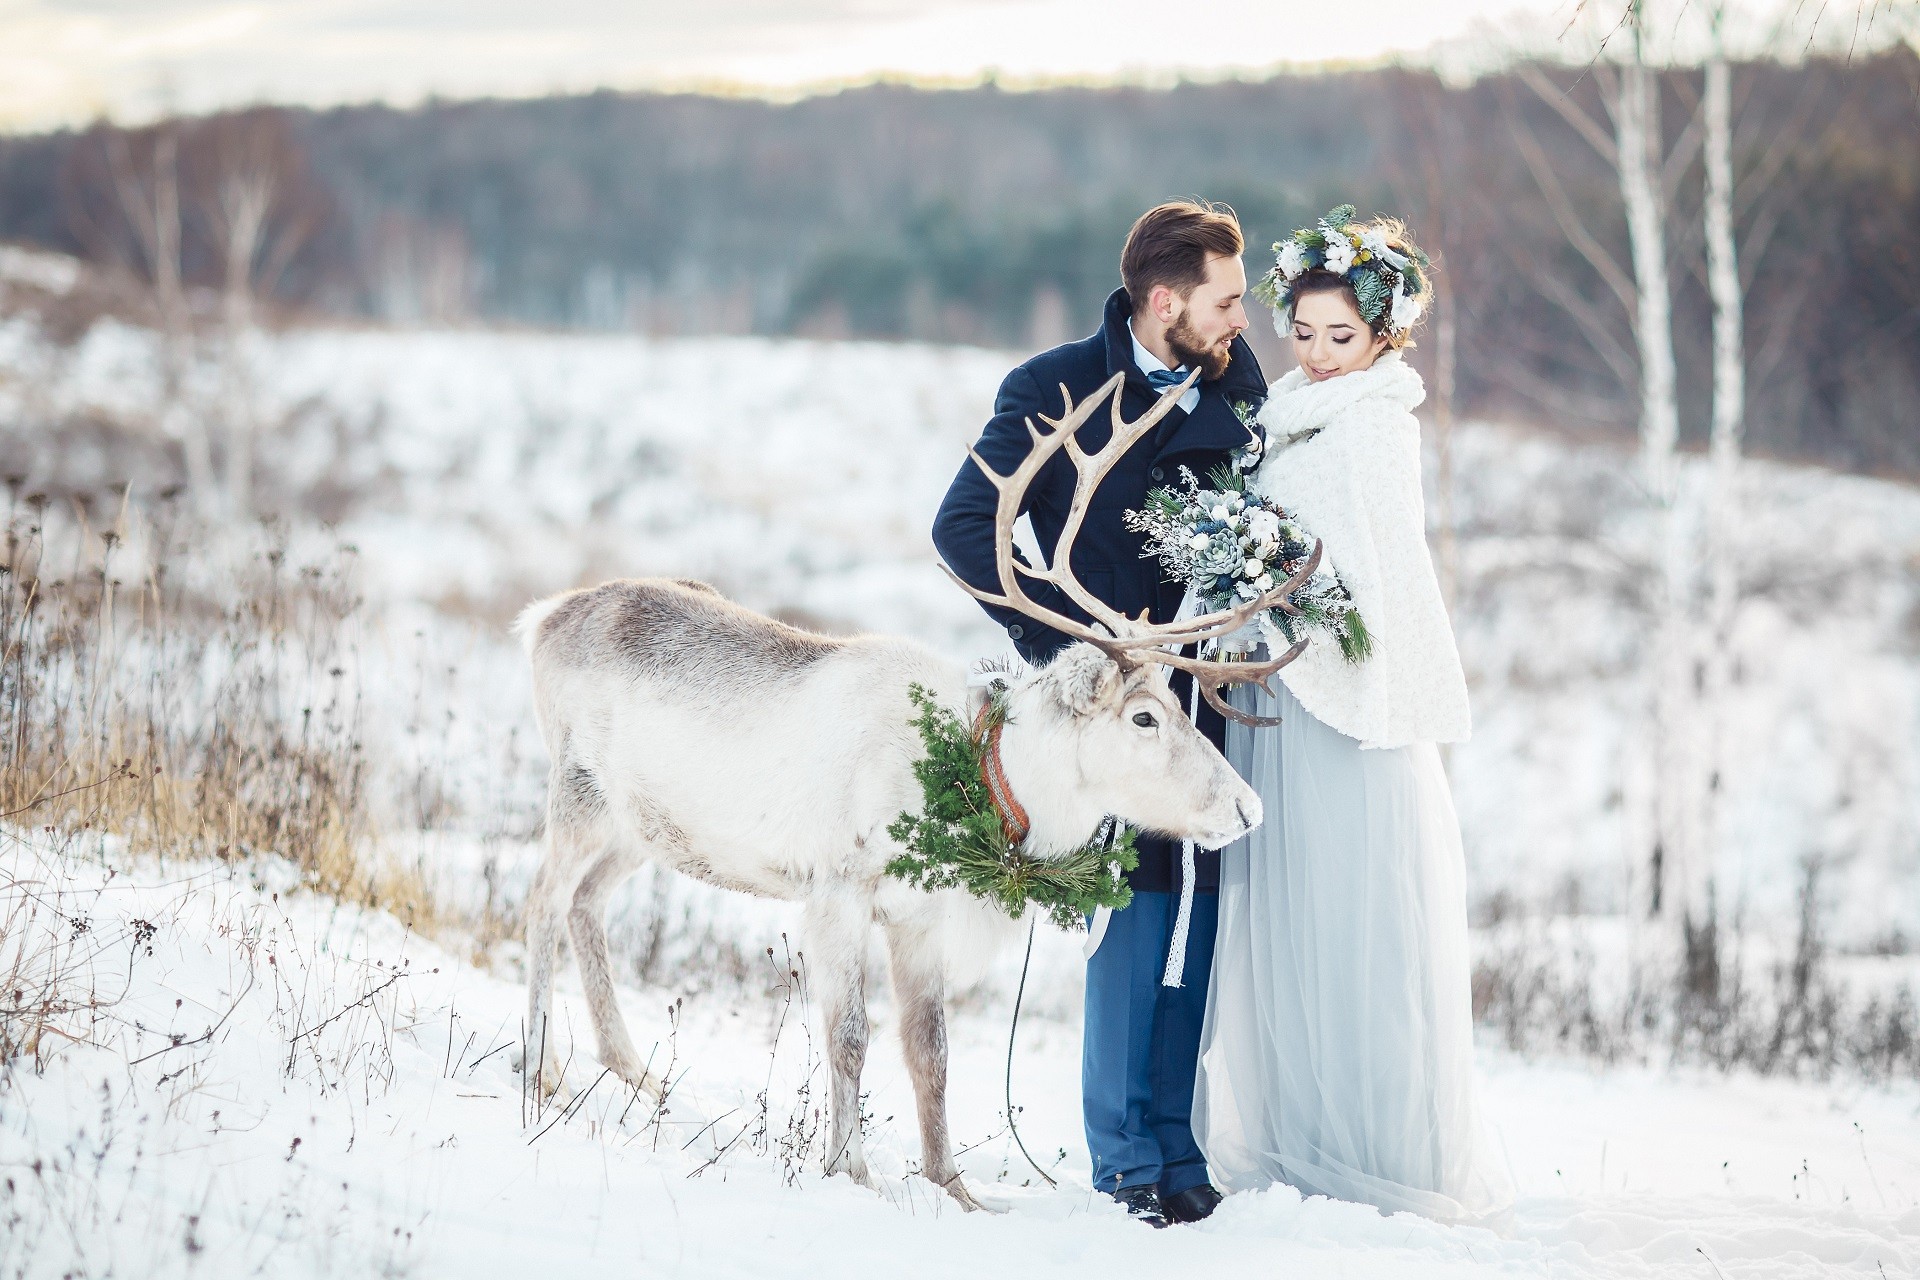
1040	752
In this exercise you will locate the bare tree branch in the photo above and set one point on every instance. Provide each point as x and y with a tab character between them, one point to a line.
1564	213
1758	180
1599	332
1559	401
1686	149
1596	134
1782	321
1759	236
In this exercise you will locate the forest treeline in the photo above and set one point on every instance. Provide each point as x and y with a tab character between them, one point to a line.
989	216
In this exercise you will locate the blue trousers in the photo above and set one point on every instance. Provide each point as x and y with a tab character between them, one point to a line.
1141	1046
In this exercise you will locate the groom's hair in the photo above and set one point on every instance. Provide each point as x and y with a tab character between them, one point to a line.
1170	244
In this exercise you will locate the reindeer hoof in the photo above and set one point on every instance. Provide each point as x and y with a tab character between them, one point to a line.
550	1080
637	1078
956	1187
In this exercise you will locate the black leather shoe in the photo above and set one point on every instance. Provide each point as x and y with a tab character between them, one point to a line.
1191	1205
1143	1205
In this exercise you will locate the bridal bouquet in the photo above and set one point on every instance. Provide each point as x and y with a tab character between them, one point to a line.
1229	545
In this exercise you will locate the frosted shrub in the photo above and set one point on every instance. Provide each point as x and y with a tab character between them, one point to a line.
1774	1012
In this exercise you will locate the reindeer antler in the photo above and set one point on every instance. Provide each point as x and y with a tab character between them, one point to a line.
1128	641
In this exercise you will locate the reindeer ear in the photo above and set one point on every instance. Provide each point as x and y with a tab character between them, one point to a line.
1084	676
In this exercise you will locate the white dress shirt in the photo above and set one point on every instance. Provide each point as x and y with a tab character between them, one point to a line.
1151	363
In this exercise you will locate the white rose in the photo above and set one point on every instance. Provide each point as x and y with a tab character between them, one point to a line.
1220	513
1293	260
1198	541
1406	312
1253	569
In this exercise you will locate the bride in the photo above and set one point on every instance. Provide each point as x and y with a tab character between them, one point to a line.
1337	1053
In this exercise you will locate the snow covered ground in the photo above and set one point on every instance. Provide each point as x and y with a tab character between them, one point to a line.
272	1083
340	1100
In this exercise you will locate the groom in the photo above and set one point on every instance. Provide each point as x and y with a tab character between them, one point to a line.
1179	309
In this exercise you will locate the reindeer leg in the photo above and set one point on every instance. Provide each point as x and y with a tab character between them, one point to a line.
587	920
540	1055
573	808
919	990
838	917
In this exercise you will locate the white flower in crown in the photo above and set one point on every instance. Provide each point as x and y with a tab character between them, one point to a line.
1339	250
1293	260
1374	241
1406	312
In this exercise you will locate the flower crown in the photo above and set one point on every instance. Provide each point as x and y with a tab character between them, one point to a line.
1389	283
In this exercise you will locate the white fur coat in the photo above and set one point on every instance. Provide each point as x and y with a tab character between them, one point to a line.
1344	456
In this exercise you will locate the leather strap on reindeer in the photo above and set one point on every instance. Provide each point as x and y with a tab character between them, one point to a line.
1014	823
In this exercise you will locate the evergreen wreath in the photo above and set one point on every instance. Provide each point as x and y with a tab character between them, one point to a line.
957	840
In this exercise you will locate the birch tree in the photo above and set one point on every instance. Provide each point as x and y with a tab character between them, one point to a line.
1646	173
258	209
1637	141
1695	581
1723	503
129	203
1673	858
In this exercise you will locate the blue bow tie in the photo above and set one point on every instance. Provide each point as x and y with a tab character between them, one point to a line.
1161	379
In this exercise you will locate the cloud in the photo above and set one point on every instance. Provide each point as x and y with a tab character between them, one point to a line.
62	60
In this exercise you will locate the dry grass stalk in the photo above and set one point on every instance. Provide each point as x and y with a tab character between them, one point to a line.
190	701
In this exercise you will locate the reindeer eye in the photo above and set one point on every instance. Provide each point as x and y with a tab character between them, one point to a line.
1144	719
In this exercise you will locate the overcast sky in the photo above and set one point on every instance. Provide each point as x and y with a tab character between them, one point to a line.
70	60
65	60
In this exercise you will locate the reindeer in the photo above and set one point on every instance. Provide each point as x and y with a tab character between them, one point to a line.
752	755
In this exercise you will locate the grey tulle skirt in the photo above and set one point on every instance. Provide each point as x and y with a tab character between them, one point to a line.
1337	1055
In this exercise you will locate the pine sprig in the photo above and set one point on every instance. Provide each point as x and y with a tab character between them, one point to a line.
956	840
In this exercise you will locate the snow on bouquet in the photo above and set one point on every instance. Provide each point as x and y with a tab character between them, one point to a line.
1229	545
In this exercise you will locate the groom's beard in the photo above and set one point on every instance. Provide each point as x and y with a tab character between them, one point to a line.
1194	352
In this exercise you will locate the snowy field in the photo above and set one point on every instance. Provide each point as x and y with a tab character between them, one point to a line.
476	471
273	1084
246	1078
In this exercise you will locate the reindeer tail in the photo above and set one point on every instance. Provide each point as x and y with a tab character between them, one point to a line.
527	625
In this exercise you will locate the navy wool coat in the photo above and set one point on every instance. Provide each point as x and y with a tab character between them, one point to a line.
1106	555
